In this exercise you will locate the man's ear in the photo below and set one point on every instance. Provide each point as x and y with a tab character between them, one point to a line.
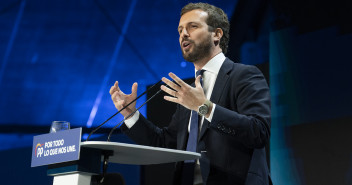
218	35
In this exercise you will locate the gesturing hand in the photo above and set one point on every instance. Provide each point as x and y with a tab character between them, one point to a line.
121	99
184	94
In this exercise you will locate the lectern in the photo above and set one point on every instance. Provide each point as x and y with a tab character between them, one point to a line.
92	153
121	153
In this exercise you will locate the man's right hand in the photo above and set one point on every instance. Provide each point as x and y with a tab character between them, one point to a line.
121	99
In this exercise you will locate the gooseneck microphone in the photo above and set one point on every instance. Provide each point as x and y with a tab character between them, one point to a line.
124	109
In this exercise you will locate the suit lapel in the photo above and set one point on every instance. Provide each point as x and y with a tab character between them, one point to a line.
219	86
183	133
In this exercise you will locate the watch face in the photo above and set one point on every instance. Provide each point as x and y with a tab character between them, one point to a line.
203	110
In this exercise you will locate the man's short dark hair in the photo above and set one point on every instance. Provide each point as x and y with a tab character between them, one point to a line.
217	18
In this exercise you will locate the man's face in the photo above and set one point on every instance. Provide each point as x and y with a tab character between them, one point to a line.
195	39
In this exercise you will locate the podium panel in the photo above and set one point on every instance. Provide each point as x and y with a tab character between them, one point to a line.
72	179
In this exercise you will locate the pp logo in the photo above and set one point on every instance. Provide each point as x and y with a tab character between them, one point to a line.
39	150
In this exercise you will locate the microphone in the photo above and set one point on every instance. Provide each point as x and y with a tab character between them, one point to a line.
113	129
124	109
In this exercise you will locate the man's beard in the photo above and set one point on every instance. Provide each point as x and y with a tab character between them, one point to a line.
199	52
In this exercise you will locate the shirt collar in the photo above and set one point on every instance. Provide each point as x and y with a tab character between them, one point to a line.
214	64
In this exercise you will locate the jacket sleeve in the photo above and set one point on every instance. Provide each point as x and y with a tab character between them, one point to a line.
144	132
245	116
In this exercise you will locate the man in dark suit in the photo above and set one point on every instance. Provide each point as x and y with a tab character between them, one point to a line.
232	101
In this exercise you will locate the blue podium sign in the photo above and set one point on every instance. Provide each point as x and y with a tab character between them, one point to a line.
56	147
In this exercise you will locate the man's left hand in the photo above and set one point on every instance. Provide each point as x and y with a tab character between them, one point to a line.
182	93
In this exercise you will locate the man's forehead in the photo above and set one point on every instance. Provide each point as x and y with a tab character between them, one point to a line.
196	15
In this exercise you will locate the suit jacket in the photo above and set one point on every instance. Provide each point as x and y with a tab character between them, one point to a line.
232	145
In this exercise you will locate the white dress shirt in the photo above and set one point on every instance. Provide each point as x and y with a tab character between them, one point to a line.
210	74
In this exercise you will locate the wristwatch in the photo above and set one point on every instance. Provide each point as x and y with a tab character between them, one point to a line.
204	109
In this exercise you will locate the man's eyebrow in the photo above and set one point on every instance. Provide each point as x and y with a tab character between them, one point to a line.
193	23
188	24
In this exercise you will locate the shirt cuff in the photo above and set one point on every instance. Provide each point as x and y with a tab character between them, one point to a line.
211	113
132	120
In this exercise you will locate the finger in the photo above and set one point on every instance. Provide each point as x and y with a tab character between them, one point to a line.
112	90
171	84
171	99
168	90
117	86
177	80
134	88
197	82
114	96
117	96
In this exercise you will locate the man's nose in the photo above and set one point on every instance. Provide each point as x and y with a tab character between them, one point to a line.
184	33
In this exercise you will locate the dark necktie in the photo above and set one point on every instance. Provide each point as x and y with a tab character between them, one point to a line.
188	166
193	131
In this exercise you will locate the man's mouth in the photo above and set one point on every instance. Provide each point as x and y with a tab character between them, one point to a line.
186	45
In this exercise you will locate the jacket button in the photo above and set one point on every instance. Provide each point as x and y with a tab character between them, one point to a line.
223	128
